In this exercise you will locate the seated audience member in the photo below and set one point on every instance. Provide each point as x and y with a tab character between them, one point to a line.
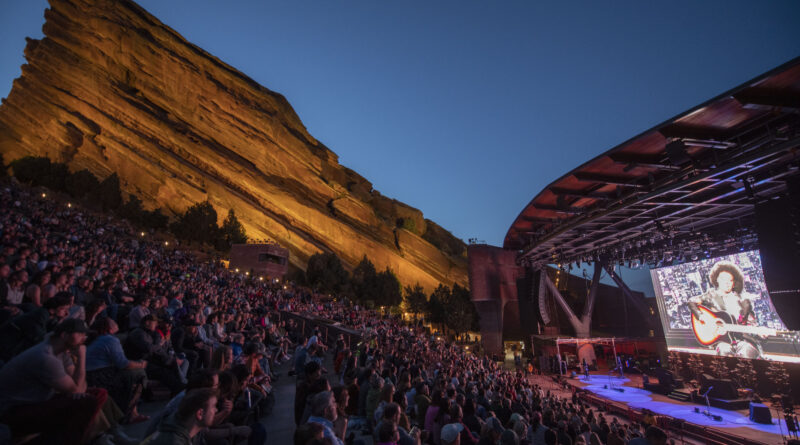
451	434
387	434
195	413
509	437
108	368
186	340
138	312
308	434
146	343
342	399
653	435
391	415
312	372
206	378
323	412
28	329
37	395
491	432
222	358
226	427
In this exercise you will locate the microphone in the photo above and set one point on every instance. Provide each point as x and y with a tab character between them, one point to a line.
708	391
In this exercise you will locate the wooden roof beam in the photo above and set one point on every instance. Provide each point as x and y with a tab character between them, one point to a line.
769	99
537	219
606	179
634	161
567	210
694	132
579	193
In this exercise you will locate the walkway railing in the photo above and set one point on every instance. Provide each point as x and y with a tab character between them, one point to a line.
329	329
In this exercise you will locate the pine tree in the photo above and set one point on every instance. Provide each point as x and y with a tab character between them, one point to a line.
232	230
416	299
108	194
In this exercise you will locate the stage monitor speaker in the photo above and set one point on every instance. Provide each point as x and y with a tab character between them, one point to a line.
724	389
778	228
527	300
759	413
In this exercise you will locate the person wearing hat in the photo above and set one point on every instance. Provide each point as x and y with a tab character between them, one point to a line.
451	434
186	340
491	432
145	343
39	387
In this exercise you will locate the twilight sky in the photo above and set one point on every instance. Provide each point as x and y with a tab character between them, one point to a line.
467	109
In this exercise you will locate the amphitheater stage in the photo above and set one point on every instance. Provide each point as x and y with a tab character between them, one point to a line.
625	396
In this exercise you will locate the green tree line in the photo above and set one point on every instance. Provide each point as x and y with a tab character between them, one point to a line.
449	308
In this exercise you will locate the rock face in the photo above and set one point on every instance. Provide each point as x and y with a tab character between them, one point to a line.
112	89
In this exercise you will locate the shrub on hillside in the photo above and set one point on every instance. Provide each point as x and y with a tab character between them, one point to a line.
108	194
30	169
81	183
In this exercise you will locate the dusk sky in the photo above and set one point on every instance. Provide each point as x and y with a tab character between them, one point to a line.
467	109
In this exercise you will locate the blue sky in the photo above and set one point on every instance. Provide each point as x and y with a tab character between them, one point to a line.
467	109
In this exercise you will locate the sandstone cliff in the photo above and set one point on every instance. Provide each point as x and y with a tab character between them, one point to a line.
112	89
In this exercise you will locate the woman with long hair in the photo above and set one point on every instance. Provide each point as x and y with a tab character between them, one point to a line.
222	358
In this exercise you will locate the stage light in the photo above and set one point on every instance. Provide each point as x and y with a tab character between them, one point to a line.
69	205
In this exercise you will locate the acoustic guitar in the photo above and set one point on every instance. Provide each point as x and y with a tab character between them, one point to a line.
712	327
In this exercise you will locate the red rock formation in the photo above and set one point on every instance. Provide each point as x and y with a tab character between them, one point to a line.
112	89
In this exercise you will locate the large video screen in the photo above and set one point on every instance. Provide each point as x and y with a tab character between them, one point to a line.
721	306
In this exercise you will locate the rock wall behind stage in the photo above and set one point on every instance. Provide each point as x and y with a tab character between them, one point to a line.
493	275
112	89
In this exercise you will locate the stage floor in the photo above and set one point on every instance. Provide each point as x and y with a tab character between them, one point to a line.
733	422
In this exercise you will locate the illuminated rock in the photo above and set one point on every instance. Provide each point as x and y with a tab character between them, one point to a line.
112	89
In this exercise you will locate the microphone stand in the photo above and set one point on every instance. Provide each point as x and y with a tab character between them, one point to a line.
707	412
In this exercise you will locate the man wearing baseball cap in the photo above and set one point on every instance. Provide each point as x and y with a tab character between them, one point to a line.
451	434
43	390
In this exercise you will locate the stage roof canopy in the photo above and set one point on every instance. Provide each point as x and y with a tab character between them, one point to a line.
687	184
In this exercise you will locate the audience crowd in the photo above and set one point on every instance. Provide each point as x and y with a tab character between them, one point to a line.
94	317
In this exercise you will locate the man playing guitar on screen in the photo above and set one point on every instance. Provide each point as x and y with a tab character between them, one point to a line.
726	305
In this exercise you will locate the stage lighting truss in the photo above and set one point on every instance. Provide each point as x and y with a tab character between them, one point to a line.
701	211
